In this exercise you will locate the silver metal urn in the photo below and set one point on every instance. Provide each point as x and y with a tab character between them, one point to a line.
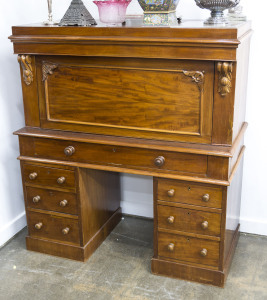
217	7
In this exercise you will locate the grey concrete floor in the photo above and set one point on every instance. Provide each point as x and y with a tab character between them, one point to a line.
120	269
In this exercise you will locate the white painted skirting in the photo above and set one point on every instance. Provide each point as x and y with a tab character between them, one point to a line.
253	226
11	228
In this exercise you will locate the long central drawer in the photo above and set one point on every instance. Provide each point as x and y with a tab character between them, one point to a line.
130	157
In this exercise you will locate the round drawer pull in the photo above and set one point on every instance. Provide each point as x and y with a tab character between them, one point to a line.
65	230
38	226
63	203
61	180
36	199
159	161
205	225
204	252
33	176
69	150
206	197
170	219
171	192
171	247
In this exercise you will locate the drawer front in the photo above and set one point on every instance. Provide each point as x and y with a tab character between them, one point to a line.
53	227
189	220
188	249
38	175
189	193
135	158
51	200
155	99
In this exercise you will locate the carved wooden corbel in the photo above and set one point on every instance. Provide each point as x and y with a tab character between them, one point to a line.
225	70
47	69
25	62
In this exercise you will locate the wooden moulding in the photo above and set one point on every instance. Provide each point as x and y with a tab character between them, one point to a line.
72	251
177	42
212	150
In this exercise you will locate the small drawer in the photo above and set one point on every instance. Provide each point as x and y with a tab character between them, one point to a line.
188	249
118	156
189	220
189	193
50	177
53	227
51	200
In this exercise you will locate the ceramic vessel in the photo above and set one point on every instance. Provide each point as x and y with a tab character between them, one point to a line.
217	7
159	12
112	12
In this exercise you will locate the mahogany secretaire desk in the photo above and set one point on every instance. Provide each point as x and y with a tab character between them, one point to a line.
162	102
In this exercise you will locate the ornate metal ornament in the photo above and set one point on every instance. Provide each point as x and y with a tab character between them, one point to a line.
77	15
25	62
225	70
217	7
47	69
50	18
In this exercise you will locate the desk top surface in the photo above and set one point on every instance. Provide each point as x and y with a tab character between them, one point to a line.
134	28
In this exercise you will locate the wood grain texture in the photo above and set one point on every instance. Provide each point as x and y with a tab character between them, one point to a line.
189	220
99	194
187	272
117	156
52	227
193	42
232	214
188	249
74	251
161	99
162	102
189	193
211	150
48	177
51	200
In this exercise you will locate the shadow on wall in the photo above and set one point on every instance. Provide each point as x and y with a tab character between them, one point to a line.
12	118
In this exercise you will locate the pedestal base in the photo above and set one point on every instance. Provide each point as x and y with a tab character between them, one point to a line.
75	252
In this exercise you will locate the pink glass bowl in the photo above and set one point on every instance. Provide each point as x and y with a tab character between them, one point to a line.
112	12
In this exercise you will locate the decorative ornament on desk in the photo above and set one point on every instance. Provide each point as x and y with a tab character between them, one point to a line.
217	7
112	12
235	14
50	17
77	15
159	12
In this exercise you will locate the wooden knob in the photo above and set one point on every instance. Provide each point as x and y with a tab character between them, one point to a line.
61	180
204	252
63	203
36	199
205	225
38	226
69	150
65	230
171	247
159	161
206	197
171	192
33	175
170	219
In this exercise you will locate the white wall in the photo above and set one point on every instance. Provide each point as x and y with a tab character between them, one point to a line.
137	190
